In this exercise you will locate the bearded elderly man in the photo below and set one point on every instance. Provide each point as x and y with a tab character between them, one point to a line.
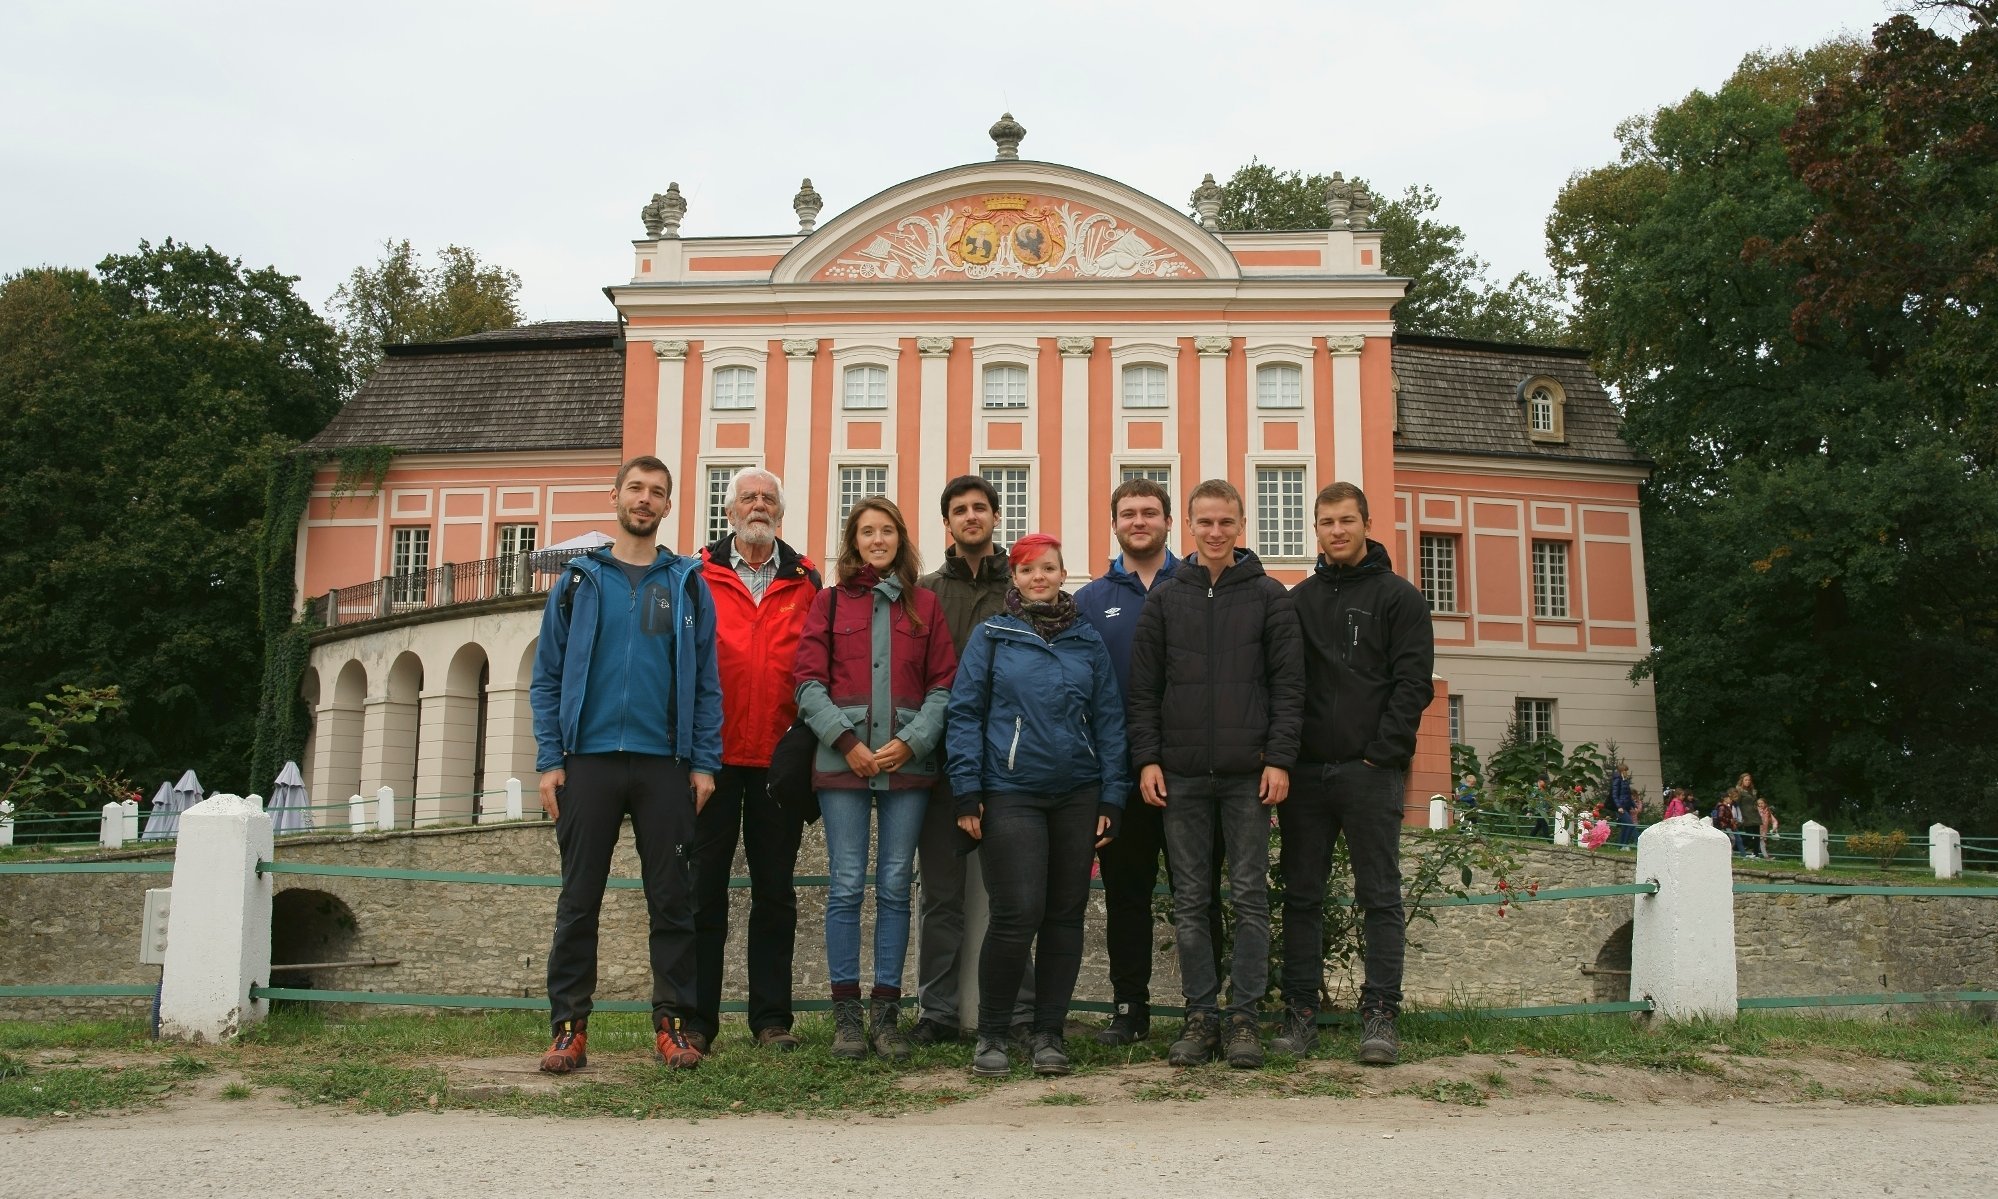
762	589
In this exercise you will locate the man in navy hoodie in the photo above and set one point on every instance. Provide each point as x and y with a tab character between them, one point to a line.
627	720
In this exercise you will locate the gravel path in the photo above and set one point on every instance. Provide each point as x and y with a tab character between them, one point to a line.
1235	1147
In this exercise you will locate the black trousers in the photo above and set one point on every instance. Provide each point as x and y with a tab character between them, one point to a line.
601	789
1364	802
1130	874
741	808
1037	850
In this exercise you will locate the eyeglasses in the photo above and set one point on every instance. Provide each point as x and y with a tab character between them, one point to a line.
768	499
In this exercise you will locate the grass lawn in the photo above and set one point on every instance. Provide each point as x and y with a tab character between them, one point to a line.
405	1062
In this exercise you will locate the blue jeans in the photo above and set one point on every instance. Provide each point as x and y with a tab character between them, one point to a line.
845	814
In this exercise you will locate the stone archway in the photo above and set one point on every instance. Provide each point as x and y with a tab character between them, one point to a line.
337	741
310	930
453	732
392	731
1612	967
509	740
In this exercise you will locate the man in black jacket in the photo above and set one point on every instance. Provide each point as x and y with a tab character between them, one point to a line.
1217	690
1369	654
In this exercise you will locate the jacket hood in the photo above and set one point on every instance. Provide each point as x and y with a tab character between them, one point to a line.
1247	566
790	563
1375	561
1005	624
1116	573
993	568
602	556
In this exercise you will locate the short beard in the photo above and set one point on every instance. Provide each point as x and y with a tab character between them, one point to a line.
973	545
757	533
627	522
1158	543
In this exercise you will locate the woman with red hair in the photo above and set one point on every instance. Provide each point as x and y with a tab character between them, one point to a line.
1035	741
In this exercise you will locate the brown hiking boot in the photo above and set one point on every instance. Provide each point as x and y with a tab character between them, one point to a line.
777	1038
886	1035
849	1030
567	1053
676	1047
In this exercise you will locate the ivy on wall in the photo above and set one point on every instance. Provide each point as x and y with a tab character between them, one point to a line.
282	719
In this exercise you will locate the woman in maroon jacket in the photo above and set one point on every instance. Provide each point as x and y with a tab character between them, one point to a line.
873	691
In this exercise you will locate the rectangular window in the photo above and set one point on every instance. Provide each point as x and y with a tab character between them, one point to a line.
1542	407
856	483
735	387
1456	720
1280	511
1536	719
517	539
409	563
1145	386
1550	579
1162	475
1011	484
1279	386
1005	386
717	523
1439	571
866	387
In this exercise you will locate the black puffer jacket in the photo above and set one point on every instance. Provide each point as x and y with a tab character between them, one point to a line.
1369	658
1217	673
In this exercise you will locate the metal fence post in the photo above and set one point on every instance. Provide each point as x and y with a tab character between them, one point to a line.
219	929
1682	938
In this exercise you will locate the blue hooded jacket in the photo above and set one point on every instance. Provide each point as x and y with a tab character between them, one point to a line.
568	637
1034	716
1112	604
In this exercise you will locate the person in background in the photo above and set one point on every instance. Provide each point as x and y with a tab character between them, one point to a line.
1741	797
1623	804
874	670
1039	768
1766	825
1675	803
1467	792
762	590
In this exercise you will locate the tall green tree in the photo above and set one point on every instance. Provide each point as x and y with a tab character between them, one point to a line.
400	299
1818	532
140	408
1452	294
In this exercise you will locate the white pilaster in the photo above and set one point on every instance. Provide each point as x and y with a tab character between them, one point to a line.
1348	463
1213	456
803	478
935	437
672	354
1079	523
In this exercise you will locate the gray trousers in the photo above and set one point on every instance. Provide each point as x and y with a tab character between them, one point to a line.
941	872
1192	804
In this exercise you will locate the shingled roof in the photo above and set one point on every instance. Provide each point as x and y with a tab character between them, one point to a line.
1463	397
552	386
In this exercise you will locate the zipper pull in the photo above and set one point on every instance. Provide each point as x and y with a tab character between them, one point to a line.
1210	593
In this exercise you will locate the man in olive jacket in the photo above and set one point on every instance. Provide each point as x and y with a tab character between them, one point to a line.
1217	697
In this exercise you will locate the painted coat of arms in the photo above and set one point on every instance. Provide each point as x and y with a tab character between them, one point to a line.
1009	236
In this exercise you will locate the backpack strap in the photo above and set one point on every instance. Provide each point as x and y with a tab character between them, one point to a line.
568	600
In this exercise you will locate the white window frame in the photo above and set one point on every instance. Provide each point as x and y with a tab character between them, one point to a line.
867	401
714	521
1439	587
1550	579
1263	540
512	532
1146	353
1456	725
1279	404
1283	353
882	356
1126	471
1005	353
1144	403
986	374
1535	717
1554	428
1005	533
841	504
721	358
409	565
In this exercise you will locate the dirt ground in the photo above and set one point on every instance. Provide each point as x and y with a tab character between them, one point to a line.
1475	1125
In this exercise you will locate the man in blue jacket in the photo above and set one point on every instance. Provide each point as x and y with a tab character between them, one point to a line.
627	720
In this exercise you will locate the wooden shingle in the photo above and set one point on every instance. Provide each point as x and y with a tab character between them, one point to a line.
1462	397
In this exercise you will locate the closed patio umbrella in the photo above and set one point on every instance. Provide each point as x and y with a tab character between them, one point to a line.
162	818
288	801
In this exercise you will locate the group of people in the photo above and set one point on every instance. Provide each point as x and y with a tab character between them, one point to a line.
1743	813
985	728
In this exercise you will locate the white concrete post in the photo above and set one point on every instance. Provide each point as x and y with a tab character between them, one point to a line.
1945	851
1817	846
131	807
385	809
219	930
1439	812
513	806
111	826
1682	938
357	814
1563	825
6	822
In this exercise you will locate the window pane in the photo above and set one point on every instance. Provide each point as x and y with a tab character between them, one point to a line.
1550	579
1439	572
1536	719
735	387
1011	484
1542	405
1005	387
866	387
1162	475
517	539
409	562
1457	720
1280	511
1279	386
1145	386
717	523
856	483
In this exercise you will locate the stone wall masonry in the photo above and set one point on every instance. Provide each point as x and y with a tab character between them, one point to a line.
463	939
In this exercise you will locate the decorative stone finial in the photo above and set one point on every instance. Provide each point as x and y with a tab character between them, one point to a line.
662	216
1363	207
1007	132
807	204
1207	201
1338	199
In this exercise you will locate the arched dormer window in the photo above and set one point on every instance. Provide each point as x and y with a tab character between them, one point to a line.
1544	405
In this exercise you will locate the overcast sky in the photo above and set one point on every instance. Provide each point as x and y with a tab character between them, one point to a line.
303	136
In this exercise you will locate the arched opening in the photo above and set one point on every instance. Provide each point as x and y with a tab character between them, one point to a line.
334	774
449	779
1612	968
311	932
308	750
401	728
